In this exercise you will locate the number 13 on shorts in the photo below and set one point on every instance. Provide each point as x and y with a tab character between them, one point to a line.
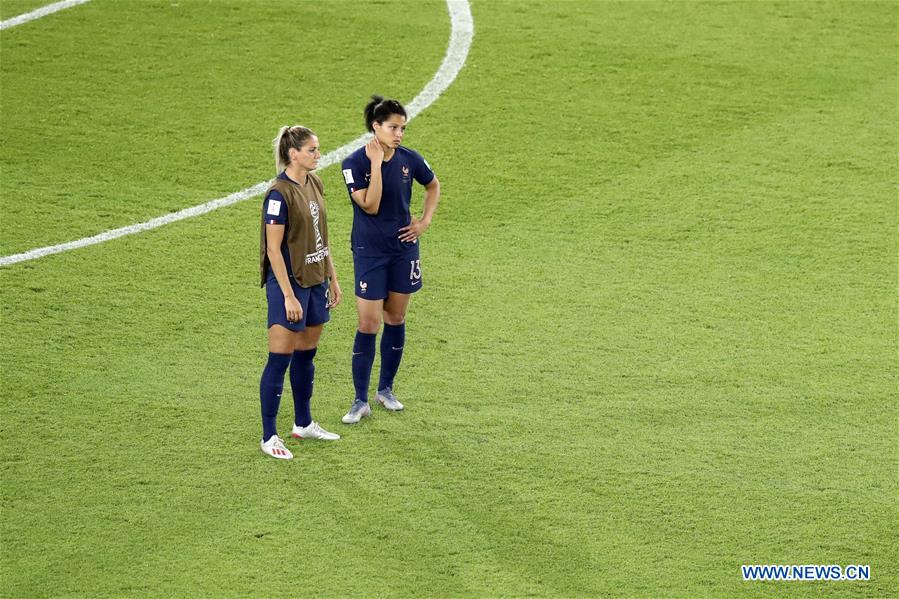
414	270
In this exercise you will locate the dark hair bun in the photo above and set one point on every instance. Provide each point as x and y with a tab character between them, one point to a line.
379	110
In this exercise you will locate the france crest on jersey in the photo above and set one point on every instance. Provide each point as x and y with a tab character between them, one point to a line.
377	234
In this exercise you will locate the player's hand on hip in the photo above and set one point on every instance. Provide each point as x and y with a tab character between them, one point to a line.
334	294
374	151
413	230
293	309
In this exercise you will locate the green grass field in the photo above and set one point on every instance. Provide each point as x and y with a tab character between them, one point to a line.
657	339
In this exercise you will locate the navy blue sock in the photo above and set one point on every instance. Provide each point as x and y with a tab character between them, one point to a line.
302	375
363	358
392	341
270	387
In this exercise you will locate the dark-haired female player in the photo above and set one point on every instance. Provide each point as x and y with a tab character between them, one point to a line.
296	267
385	246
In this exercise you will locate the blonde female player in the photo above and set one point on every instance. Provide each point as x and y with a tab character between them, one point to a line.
300	284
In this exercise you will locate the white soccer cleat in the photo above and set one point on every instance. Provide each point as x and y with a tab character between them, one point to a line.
313	431
275	448
387	399
358	411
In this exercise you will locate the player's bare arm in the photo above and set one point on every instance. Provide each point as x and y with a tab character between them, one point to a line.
370	199
418	226
274	235
334	293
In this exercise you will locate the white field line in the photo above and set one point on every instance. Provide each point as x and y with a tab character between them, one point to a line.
456	53
37	13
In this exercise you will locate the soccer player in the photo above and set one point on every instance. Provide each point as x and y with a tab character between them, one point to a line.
385	246
300	284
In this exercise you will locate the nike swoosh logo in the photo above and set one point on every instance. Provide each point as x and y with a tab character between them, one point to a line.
357	353
416	282
397	348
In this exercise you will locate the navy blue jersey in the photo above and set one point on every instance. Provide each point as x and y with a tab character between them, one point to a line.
274	211
378	234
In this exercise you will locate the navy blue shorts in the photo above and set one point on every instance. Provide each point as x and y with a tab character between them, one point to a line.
313	300
375	277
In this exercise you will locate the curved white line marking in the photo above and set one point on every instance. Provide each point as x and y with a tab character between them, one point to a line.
40	12
456	53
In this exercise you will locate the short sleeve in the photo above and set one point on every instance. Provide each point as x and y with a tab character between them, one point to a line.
354	175
274	209
424	174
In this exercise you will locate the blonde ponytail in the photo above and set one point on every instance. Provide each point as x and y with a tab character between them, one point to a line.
288	137
276	143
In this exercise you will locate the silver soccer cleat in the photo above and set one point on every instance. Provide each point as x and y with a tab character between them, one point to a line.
387	399
359	410
313	431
